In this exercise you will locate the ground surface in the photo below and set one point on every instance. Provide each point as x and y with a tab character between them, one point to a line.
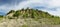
23	23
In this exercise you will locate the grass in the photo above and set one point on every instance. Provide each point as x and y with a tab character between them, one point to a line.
24	25
1	17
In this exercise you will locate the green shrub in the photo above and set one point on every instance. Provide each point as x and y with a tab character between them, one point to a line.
25	15
16	14
12	11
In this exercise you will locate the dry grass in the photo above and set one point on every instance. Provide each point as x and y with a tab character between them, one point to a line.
24	23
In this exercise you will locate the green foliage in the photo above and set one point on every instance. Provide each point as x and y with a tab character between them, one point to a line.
12	11
24	25
25	15
22	9
1	16
32	14
16	14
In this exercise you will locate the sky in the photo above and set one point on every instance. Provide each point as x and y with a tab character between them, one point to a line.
50	6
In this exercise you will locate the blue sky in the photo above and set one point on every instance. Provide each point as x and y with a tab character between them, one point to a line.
51	6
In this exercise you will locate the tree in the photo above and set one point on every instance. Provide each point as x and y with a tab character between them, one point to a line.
27	8
22	9
16	14
10	12
36	9
32	15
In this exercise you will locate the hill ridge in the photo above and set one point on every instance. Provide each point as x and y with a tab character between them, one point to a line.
32	13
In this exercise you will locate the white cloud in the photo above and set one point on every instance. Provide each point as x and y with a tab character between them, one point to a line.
54	3
29	3
33	3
